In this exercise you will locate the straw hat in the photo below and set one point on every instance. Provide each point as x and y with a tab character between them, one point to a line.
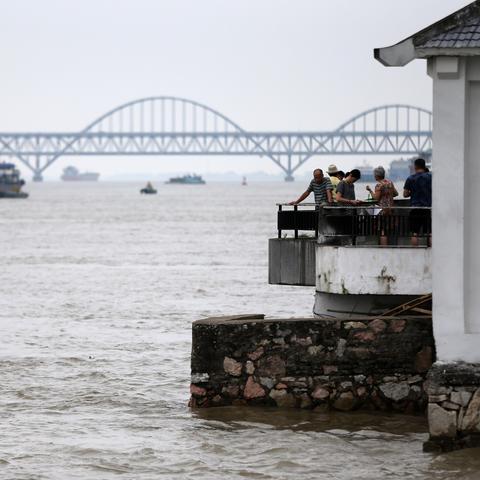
332	169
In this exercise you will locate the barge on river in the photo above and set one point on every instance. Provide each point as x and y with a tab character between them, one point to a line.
187	180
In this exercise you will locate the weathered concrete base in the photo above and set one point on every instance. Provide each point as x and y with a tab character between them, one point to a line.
453	406
372	363
291	261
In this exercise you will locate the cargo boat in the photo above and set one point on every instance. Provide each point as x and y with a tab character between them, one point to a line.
187	180
71	174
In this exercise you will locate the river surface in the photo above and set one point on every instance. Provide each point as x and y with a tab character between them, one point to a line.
99	289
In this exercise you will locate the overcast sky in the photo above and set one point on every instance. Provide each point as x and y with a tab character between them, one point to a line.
266	64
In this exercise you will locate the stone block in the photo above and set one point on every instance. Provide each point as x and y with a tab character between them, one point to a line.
342	343
232	367
267	382
397	325
271	366
471	419
282	398
461	398
365	336
349	325
450	406
437	398
377	325
256	354
249	367
321	393
395	391
362	392
197	391
315	350
441	422
345	402
305	401
253	389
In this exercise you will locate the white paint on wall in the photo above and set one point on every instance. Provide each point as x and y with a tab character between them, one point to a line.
373	270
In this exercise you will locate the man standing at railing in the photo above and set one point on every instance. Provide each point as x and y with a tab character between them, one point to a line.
418	187
321	187
346	189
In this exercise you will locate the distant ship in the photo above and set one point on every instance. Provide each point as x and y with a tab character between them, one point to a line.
10	182
367	172
401	169
187	180
71	174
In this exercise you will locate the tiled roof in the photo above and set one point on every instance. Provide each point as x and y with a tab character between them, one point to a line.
464	36
457	35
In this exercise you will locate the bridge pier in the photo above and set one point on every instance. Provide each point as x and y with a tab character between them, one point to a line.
289	178
37	173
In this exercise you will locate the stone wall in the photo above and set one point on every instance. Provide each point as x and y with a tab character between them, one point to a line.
370	363
453	406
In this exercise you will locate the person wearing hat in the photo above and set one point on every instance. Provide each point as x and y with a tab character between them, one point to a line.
334	175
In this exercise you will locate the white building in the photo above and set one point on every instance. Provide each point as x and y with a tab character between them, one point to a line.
452	50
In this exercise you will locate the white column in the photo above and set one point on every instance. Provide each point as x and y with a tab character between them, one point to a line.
456	233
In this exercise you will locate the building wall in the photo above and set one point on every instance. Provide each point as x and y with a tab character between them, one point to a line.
456	229
373	270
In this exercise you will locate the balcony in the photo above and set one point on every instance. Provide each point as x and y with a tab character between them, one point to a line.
337	249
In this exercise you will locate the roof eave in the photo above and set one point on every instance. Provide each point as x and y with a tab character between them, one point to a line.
447	52
396	55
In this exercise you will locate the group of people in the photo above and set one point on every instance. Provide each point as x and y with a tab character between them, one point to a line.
339	188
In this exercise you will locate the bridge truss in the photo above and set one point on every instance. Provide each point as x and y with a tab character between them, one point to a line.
177	126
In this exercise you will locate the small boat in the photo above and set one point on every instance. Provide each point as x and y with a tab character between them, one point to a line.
244	181
187	180
10	182
148	189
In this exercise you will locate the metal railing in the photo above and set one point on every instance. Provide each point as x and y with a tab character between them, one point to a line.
303	217
348	223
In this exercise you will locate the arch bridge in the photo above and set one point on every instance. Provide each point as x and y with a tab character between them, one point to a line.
178	126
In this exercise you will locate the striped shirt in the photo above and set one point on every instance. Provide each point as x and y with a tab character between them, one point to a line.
320	190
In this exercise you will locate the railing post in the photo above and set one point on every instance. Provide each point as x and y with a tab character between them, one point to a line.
295	216
353	216
278	221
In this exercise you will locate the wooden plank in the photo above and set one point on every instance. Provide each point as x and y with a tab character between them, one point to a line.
422	310
405	307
